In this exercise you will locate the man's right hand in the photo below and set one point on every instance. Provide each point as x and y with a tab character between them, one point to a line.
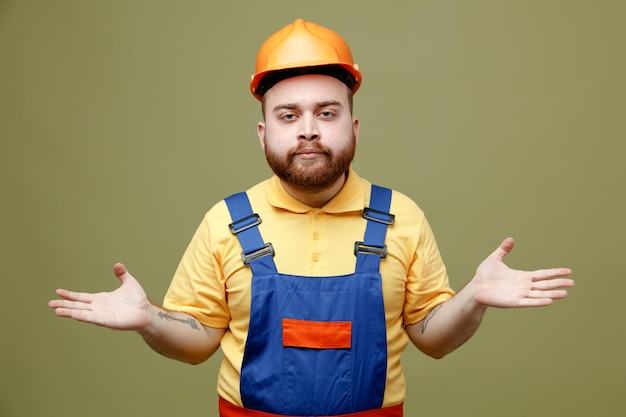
126	308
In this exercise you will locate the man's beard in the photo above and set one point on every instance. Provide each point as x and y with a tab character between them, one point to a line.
315	173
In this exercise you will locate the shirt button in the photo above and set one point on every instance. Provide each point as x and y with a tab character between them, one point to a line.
316	257
316	236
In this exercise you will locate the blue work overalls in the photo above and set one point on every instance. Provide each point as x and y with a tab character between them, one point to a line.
316	346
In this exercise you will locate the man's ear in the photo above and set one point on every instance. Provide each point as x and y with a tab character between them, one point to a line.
355	127
260	131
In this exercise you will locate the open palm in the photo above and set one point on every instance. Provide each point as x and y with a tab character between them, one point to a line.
497	285
123	309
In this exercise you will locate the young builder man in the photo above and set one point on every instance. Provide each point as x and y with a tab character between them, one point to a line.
313	281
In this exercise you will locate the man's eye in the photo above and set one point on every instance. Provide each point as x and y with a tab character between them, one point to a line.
326	114
289	116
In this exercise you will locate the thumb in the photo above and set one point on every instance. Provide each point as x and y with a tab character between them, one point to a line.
122	274
504	249
120	271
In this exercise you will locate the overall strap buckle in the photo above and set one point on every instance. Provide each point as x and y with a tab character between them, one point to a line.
245	227
378	216
266	250
244	224
361	247
372	249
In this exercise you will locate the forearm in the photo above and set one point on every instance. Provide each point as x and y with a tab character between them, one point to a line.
448	325
180	336
494	285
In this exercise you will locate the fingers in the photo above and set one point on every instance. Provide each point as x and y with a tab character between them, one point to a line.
552	284
70	305
548	294
542	298
79	315
542	274
119	270
550	289
74	296
73	301
536	302
74	305
547	285
71	309
543	293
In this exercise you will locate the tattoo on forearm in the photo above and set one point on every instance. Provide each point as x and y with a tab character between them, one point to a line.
191	322
429	316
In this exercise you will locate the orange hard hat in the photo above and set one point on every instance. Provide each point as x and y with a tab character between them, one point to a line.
303	47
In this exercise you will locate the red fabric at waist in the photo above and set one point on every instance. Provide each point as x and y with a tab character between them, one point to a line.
230	410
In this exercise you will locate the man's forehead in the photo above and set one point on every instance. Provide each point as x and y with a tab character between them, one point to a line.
310	88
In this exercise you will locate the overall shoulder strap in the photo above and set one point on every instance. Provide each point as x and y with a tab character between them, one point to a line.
255	252
372	249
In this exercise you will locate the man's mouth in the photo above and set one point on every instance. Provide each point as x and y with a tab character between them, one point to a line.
307	153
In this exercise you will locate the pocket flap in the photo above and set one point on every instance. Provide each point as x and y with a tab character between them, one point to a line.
317	334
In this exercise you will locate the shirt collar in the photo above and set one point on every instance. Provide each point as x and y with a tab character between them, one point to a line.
351	197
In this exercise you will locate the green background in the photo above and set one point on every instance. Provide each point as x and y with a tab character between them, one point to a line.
122	122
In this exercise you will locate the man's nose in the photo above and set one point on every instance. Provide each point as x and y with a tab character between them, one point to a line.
308	128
